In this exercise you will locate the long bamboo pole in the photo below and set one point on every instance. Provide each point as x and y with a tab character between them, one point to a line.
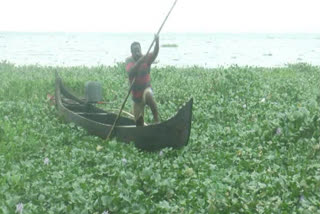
125	100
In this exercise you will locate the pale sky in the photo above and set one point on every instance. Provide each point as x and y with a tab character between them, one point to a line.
235	16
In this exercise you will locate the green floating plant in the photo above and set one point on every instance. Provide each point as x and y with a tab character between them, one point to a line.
253	148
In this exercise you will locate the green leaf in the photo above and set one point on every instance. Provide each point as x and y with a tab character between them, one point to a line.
106	200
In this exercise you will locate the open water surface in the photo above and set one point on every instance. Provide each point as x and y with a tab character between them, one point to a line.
207	50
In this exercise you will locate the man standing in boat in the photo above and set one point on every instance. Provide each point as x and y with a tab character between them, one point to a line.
138	66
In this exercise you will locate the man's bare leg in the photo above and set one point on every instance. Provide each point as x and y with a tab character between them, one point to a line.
138	112
153	106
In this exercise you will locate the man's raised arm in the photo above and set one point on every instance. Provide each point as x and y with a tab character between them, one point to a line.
155	52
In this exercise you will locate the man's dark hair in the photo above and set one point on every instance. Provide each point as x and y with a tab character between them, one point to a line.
133	44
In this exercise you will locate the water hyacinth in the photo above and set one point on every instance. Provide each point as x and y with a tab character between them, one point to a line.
233	163
302	199
99	148
124	160
19	208
46	161
279	131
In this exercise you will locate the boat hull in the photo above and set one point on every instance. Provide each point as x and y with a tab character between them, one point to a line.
173	133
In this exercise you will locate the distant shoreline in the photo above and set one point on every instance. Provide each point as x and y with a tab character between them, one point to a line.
8	63
164	33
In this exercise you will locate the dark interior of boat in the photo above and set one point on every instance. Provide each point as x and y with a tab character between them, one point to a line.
91	112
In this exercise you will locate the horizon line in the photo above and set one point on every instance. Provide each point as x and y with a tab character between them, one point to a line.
166	32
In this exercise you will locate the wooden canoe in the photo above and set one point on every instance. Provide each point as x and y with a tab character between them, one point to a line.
173	132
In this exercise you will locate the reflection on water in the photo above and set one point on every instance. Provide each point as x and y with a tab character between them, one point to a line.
209	50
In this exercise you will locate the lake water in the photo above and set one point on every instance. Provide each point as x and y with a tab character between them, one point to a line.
208	50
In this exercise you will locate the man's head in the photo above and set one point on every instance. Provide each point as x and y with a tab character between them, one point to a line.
136	50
